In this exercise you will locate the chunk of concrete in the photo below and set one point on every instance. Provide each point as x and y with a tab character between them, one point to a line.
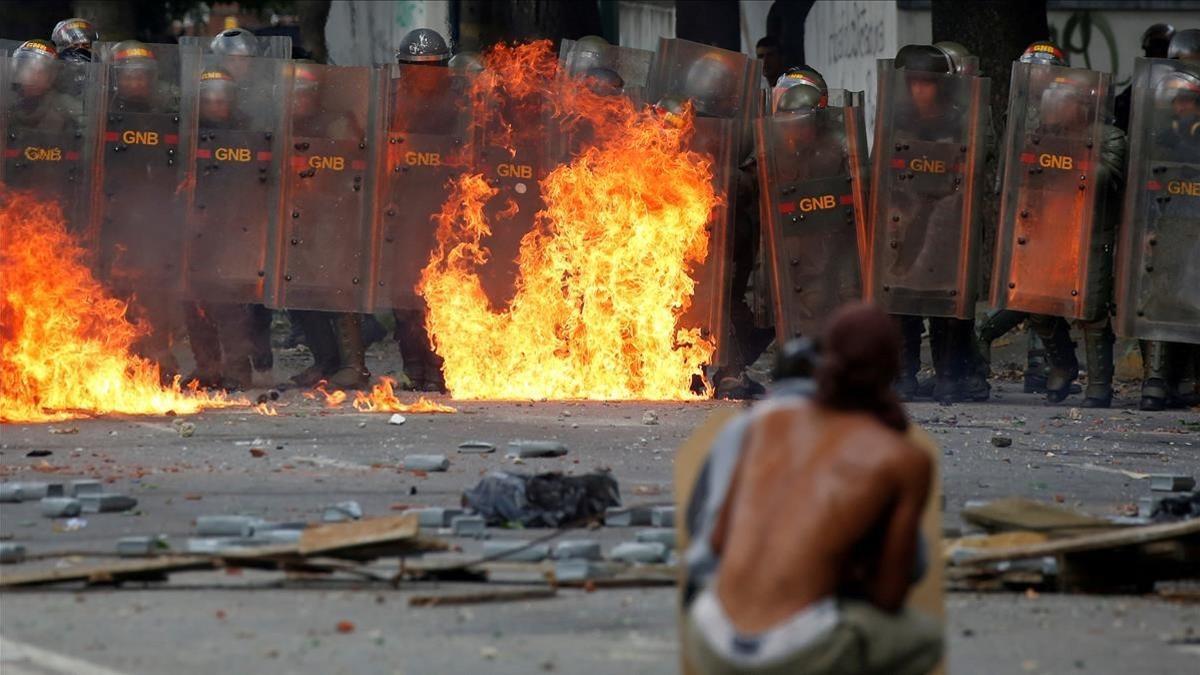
106	502
530	449
578	569
342	512
468	526
636	516
662	516
210	545
140	546
515	550
1171	482
85	487
11	554
661	535
639	552
577	549
10	493
61	507
252	529
426	463
476	448
270	537
29	491
224	526
437	516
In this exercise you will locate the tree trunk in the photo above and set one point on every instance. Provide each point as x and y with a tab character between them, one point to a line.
997	32
313	15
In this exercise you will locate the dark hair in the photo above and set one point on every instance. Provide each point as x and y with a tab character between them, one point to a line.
860	358
768	41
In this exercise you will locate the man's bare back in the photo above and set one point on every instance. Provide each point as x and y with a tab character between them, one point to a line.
824	503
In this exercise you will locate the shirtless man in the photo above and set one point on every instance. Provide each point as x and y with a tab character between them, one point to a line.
818	540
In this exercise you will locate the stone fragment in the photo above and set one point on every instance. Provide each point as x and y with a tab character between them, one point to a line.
84	487
106	502
341	512
10	493
662	535
515	550
649	418
224	526
476	448
577	569
639	552
437	516
11	554
662	516
187	429
616	516
426	463
1171	482
61	507
468	526
1001	441
260	526
138	546
577	549
396	418
530	449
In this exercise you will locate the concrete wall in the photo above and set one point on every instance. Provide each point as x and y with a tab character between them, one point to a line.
362	32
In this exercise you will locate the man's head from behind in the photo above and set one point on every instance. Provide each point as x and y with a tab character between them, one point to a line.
860	359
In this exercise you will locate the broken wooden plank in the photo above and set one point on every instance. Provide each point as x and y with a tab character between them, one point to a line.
1028	515
517	595
1122	538
125	570
339	537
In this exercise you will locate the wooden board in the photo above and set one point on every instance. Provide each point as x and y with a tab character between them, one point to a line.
1027	515
1122	538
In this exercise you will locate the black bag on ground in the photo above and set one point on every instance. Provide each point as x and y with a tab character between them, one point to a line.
543	500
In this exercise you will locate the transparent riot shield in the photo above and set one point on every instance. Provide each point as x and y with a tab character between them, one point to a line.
925	186
1047	244
812	198
49	114
632	65
235	171
139	206
321	248
427	122
510	149
268	46
722	87
1158	279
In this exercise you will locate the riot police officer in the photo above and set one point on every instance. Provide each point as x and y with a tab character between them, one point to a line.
1155	42
36	105
422	366
136	87
74	39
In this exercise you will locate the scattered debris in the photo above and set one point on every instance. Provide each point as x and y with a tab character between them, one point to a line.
104	502
1027	515
481	598
577	549
341	512
345	627
1171	483
64	430
578	570
29	491
664	536
639	552
141	546
649	418
433	463
397	419
83	487
662	516
38	453
531	449
1171	507
468	526
476	448
630	517
187	429
258	453
542	500
61	507
225	526
1001	441
436	516
515	550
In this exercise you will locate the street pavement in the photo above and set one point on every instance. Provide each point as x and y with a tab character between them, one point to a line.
310	456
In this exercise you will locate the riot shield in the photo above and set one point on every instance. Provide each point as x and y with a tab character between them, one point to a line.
321	248
723	89
49	114
427	124
925	184
1047	243
139	207
812	198
235	169
511	150
632	65
1158	279
268	46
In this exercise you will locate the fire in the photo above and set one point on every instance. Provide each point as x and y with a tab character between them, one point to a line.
65	344
383	399
333	399
604	276
265	409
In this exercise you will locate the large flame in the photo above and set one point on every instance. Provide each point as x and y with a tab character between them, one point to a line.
65	344
382	398
605	274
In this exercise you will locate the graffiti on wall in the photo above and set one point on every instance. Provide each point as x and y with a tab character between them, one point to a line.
1078	36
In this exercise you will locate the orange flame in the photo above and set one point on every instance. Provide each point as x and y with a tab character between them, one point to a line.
268	410
333	399
383	399
65	343
604	276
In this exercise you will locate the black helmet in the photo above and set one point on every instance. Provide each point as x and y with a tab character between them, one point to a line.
587	53
1044	53
710	83
801	98
802	75
74	33
961	59
923	58
604	81
424	46
234	42
1157	38
76	54
1185	46
1183	82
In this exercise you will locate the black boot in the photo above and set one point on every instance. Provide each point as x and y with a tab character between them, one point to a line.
412	343
910	356
206	346
1098	341
235	323
353	373
317	329
945	360
260	335
1060	353
1154	375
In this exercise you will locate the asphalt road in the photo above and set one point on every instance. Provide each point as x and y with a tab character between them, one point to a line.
249	623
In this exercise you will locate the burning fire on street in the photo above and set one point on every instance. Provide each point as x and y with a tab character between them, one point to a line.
382	398
606	272
66	346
